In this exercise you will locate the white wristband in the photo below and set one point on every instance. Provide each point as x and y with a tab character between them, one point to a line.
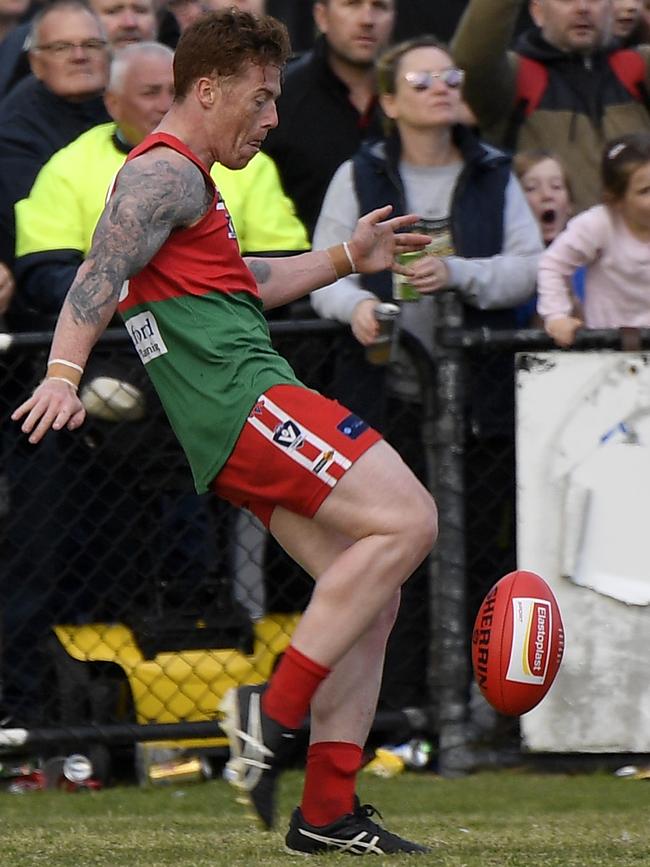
65	363
346	249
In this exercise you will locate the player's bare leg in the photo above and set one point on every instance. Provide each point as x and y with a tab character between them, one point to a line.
392	522
331	817
343	707
367	538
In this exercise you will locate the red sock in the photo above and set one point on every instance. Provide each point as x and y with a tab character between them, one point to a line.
330	781
291	688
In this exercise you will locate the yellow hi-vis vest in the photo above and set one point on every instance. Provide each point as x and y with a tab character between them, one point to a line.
69	193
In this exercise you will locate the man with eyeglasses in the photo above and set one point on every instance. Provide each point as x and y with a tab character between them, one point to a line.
61	99
124	22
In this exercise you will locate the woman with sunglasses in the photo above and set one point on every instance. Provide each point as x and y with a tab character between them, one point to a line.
485	246
485	240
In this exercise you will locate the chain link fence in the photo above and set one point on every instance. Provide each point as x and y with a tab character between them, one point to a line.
130	604
475	486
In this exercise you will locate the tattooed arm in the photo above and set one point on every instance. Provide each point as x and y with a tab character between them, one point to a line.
156	193
373	246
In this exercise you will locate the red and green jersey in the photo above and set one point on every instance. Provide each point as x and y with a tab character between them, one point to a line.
196	319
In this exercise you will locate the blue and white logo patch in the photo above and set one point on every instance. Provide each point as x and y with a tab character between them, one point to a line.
289	435
352	426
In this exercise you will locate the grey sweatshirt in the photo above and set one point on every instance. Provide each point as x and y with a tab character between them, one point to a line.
504	280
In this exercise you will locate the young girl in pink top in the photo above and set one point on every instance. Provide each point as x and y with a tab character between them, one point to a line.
613	241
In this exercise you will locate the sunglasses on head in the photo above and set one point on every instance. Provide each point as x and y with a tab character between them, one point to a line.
452	77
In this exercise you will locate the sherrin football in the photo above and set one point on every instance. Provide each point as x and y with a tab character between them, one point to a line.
517	643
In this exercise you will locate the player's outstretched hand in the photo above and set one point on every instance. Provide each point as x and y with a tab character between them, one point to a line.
378	239
54	404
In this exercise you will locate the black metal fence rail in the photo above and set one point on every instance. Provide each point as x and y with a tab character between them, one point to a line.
129	603
120	337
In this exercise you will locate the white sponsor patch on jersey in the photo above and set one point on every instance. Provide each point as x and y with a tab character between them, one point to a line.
146	336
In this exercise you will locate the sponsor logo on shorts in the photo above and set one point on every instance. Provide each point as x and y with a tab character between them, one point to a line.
531	632
352	426
146	336
324	460
289	435
298	442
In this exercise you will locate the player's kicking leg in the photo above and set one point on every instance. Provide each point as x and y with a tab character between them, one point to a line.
330	816
367	537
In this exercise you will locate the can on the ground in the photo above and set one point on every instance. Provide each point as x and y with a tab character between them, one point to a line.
193	769
77	768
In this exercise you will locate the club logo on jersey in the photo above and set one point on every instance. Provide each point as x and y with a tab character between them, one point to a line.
146	336
288	435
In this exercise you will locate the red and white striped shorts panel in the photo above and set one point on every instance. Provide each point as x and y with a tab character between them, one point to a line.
293	449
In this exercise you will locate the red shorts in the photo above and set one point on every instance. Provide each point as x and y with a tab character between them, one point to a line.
295	446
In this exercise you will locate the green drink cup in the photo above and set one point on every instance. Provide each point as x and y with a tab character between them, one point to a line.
402	289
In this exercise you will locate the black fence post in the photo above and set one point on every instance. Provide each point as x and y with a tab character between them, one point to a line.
449	641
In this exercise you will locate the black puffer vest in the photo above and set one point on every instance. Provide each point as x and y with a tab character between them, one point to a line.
477	224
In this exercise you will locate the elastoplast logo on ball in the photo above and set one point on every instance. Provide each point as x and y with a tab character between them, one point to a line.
532	621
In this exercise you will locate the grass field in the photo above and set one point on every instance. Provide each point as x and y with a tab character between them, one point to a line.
503	819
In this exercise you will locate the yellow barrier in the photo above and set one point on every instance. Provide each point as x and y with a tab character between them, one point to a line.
186	685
